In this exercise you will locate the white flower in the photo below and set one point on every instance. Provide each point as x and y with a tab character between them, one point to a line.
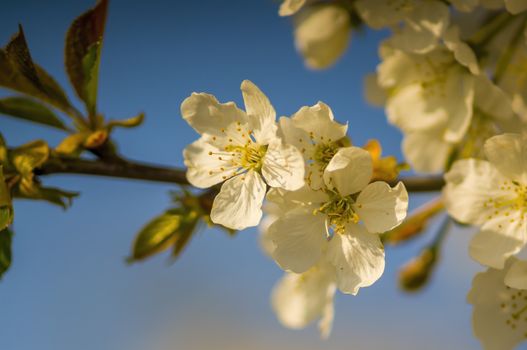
441	102
242	149
492	195
299	299
317	135
322	33
424	21
499	318
344	221
429	97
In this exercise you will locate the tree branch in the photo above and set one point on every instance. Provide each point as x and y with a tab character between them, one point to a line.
122	169
140	171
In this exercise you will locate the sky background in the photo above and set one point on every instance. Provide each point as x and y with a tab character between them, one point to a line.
69	287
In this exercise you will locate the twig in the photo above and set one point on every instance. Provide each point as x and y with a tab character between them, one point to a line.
135	170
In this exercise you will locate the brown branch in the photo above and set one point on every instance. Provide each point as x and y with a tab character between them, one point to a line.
122	169
141	171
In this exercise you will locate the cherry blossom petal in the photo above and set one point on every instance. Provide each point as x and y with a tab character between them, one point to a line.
381	207
318	120
206	115
299	237
493	249
426	151
239	203
322	34
358	258
203	169
508	153
495	306
261	113
283	166
470	183
516	277
299	299
349	171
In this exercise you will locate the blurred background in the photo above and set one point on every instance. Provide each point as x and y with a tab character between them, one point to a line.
69	286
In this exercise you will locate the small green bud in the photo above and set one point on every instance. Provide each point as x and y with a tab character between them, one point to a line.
415	274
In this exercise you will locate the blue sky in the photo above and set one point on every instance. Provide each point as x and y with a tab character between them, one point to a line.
69	287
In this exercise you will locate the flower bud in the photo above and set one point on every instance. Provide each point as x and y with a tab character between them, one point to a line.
322	33
416	273
415	224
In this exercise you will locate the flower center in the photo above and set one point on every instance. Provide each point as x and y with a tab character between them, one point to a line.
504	206
339	212
514	306
249	157
323	154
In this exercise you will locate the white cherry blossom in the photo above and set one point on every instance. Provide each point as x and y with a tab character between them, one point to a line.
343	221
492	194
314	131
499	317
300	299
243	150
322	33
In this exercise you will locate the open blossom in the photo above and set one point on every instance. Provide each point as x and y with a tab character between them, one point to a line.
440	101
242	149
492	194
299	299
314	131
341	223
499	298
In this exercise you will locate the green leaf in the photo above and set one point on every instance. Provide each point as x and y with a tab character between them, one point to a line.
72	144
157	236
18	72
57	196
6	208
83	50
30	156
28	109
6	237
126	123
185	234
31	190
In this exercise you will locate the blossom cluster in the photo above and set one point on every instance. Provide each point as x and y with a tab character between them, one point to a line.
453	78
328	213
460	100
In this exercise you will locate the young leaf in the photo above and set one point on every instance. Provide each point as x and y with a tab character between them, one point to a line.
185	234
157	235
31	190
72	144
56	196
83	50
6	237
6	208
28	109
30	156
126	123
18	72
